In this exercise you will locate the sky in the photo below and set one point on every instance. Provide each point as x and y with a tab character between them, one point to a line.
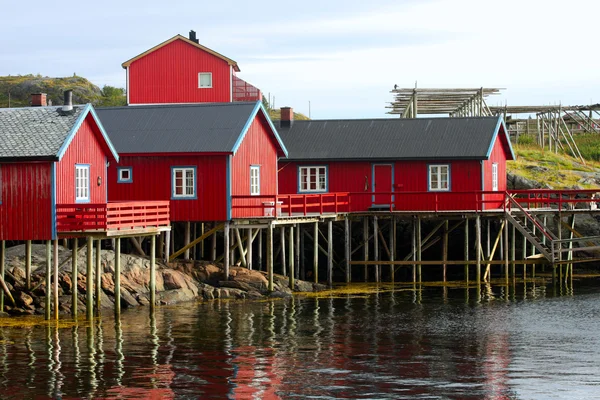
340	56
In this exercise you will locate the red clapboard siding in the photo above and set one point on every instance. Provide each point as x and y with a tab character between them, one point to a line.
257	148
170	75
151	180
499	155
26	209
85	148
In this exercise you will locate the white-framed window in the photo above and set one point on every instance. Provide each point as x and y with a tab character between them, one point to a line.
439	177
313	179
184	182
495	177
125	175
82	182
254	180
204	80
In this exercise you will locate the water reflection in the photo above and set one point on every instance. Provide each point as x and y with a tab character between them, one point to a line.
497	341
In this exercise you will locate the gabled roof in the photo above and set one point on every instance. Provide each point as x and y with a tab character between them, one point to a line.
406	139
188	41
43	133
183	128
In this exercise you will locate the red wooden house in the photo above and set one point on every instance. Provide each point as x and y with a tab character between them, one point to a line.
49	156
425	164
198	156
180	70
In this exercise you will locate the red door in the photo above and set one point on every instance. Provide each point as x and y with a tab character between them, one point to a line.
382	183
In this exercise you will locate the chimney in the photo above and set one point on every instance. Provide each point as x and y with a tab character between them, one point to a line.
287	117
68	106
193	36
38	100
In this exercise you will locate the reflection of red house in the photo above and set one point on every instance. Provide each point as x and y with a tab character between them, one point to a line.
180	70
416	164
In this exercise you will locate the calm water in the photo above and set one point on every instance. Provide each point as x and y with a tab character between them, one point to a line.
527	343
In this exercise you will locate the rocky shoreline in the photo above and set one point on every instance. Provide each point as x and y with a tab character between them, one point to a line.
176	282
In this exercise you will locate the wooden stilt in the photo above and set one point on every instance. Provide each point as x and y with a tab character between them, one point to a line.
167	246
366	246
89	280
414	249
152	273
194	249
226	250
291	257
48	302
282	242
117	276
488	240
28	264
297	252
393	248
260	250
161	246
478	249
376	248
316	252
505	252
302	252
74	279
347	249
270	255
238	237
419	249
2	273
466	251
330	252
513	252
172	249
202	253
445	251
186	239
249	248
98	277
213	245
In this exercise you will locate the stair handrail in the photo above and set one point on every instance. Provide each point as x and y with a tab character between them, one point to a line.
549	235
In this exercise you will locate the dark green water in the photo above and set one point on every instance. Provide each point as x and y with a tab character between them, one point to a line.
530	343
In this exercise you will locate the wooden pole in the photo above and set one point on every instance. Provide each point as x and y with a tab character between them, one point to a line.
98	277
291	257
89	280
445	251
347	249
186	239
260	250
161	246
28	264
249	248
303	254
241	247
330	252
270	255
202	253
74	279
366	246
393	247
48	310
282	242
195	241
513	251
419	249
117	277
376	248
316	252
213	245
167	246
478	249
414	250
297	252
152	273
466	251
506	251
2	273
226	250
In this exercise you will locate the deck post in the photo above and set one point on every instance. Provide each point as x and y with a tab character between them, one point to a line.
419	249
260	250
152	273
302	254
249	248
560	267
445	251
270	255
366	246
291	257
117	276
570	253
524	253
414	249
186	239
347	249
376	248
98	277
505	251
240	247
488	248
167	245
316	252
213	244
282	242
172	248
161	246
2	272
297	252
28	264
393	248
226	250
478	249
48	310
89	280
74	278
330	252
544	238
513	252
202	253
466	251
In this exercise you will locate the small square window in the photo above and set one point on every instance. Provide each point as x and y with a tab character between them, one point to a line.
439	177
205	80
125	175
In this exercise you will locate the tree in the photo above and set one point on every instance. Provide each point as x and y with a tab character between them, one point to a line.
112	97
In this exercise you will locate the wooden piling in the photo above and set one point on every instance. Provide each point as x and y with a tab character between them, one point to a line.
366	246
330	252
393	247
505	252
186	239
161	246
302	254
89	280
291	257
117	276
98	277
376	248
55	273
513	251
48	303
316	252
2	272
249	248
414	249
167	246
282	243
478	249
226	252
445	251
297	252
74	279
238	238
28	264
260	249
419	249
270	255
213	245
152	272
347	249
466	251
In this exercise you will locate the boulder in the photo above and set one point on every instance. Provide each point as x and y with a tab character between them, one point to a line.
23	299
175	296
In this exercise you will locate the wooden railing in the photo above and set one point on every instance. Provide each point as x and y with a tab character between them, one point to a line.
111	216
560	199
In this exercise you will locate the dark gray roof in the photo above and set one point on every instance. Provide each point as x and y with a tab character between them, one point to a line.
187	128
34	132
411	139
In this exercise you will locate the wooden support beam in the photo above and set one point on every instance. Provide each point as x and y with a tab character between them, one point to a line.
226	252
260	249
392	247
487	274
366	239
383	242
347	248
161	246
445	250
152	273
330	252
117	276
249	238
213	231
297	251
137	245
167	246
213	244
28	264
5	289
413	243
186	240
376	248
419	249
98	277
466	251
505	223
241	247
270	256
282	243
291	257
74	278
478	249
89	280
315	252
